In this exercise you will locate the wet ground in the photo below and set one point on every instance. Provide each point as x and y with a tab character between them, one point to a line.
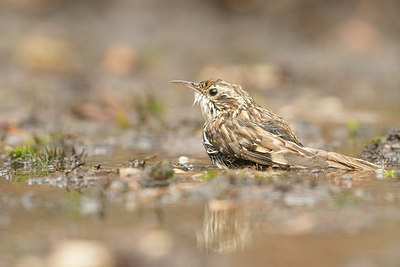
199	217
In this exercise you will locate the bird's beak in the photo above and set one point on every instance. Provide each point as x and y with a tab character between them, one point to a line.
192	85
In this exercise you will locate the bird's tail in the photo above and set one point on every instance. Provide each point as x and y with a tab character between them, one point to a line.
340	161
304	157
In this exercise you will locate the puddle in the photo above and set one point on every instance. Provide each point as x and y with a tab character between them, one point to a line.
234	218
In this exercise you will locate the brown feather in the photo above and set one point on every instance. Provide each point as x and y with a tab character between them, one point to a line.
272	149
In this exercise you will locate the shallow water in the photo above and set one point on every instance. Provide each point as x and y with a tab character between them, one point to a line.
238	218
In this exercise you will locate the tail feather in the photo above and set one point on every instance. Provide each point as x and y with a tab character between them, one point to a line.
295	156
348	162
325	159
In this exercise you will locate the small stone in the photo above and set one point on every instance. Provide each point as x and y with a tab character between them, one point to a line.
176	170
183	160
80	253
158	175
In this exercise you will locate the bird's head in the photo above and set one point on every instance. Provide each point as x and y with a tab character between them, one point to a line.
217	97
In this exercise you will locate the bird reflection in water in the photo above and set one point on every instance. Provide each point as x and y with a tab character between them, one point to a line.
224	229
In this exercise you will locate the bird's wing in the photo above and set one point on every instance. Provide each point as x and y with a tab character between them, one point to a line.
280	129
270	122
251	141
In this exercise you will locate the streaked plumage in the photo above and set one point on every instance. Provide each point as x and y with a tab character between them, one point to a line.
238	133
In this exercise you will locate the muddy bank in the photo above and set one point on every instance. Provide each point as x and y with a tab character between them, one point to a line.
384	150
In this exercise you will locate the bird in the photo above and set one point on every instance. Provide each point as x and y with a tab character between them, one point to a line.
239	133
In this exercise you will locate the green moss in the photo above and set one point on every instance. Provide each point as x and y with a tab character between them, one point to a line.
374	141
21	157
390	173
21	152
51	159
208	175
25	161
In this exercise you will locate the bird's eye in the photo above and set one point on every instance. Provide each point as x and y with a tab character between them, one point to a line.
213	92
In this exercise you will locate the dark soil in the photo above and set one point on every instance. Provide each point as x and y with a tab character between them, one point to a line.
384	151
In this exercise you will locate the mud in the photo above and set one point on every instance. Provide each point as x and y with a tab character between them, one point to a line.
386	151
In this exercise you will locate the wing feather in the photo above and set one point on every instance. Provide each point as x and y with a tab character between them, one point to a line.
251	141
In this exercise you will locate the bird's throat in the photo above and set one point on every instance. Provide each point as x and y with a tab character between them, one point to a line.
208	109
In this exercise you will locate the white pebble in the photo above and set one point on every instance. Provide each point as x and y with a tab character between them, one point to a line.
79	252
183	160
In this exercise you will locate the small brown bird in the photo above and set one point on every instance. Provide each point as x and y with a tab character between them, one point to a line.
239	133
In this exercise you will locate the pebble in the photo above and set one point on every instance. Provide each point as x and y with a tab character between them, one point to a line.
80	253
176	170
183	160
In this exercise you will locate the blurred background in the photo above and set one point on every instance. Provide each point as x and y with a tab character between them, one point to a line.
101	68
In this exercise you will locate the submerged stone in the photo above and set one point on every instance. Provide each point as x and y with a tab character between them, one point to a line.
158	175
